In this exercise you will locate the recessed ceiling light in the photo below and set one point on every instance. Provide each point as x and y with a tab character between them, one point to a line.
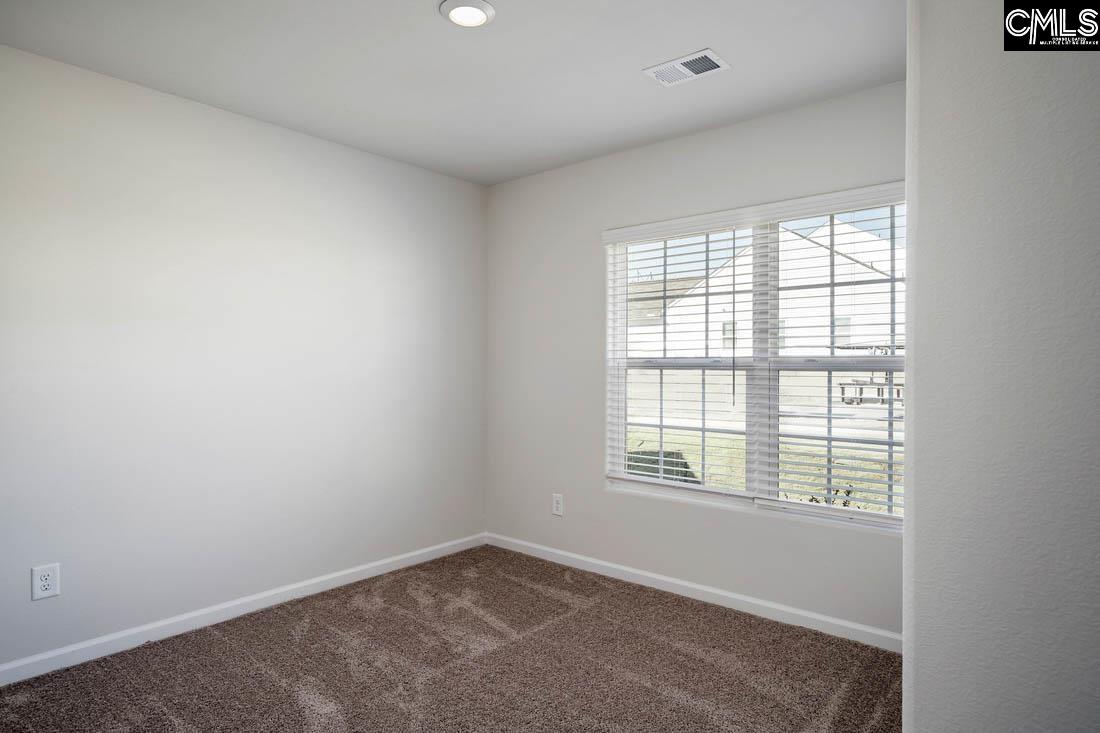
467	13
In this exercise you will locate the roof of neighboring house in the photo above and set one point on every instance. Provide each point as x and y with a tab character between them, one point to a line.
645	296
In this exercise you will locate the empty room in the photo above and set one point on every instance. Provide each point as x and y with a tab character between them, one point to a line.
521	366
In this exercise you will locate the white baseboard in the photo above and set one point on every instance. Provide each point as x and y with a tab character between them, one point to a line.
882	638
66	656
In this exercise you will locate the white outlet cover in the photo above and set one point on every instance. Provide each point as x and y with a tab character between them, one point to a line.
558	506
45	581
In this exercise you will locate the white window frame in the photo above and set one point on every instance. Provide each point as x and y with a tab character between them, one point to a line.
761	496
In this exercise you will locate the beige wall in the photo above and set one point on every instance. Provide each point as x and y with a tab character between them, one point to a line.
1003	542
232	356
546	305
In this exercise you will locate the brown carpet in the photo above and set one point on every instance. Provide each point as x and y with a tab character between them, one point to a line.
485	640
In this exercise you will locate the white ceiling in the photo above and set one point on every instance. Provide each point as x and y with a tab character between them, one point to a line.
549	82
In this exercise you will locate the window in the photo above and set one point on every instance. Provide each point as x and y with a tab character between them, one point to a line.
762	355
842	330
727	335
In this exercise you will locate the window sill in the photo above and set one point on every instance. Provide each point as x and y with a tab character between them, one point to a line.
745	502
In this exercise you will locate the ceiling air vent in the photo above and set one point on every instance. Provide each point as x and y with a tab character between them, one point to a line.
686	68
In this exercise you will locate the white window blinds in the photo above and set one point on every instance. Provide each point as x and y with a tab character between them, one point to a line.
759	353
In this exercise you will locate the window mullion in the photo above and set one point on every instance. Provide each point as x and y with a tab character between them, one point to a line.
893	352
762	403
703	372
664	354
832	352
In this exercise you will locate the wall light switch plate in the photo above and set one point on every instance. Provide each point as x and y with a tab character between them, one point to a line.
558	506
45	581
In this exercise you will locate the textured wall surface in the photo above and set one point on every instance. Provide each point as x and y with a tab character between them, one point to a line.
1003	538
546	379
231	356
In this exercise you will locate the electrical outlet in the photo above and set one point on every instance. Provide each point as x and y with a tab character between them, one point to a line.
45	581
558	506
